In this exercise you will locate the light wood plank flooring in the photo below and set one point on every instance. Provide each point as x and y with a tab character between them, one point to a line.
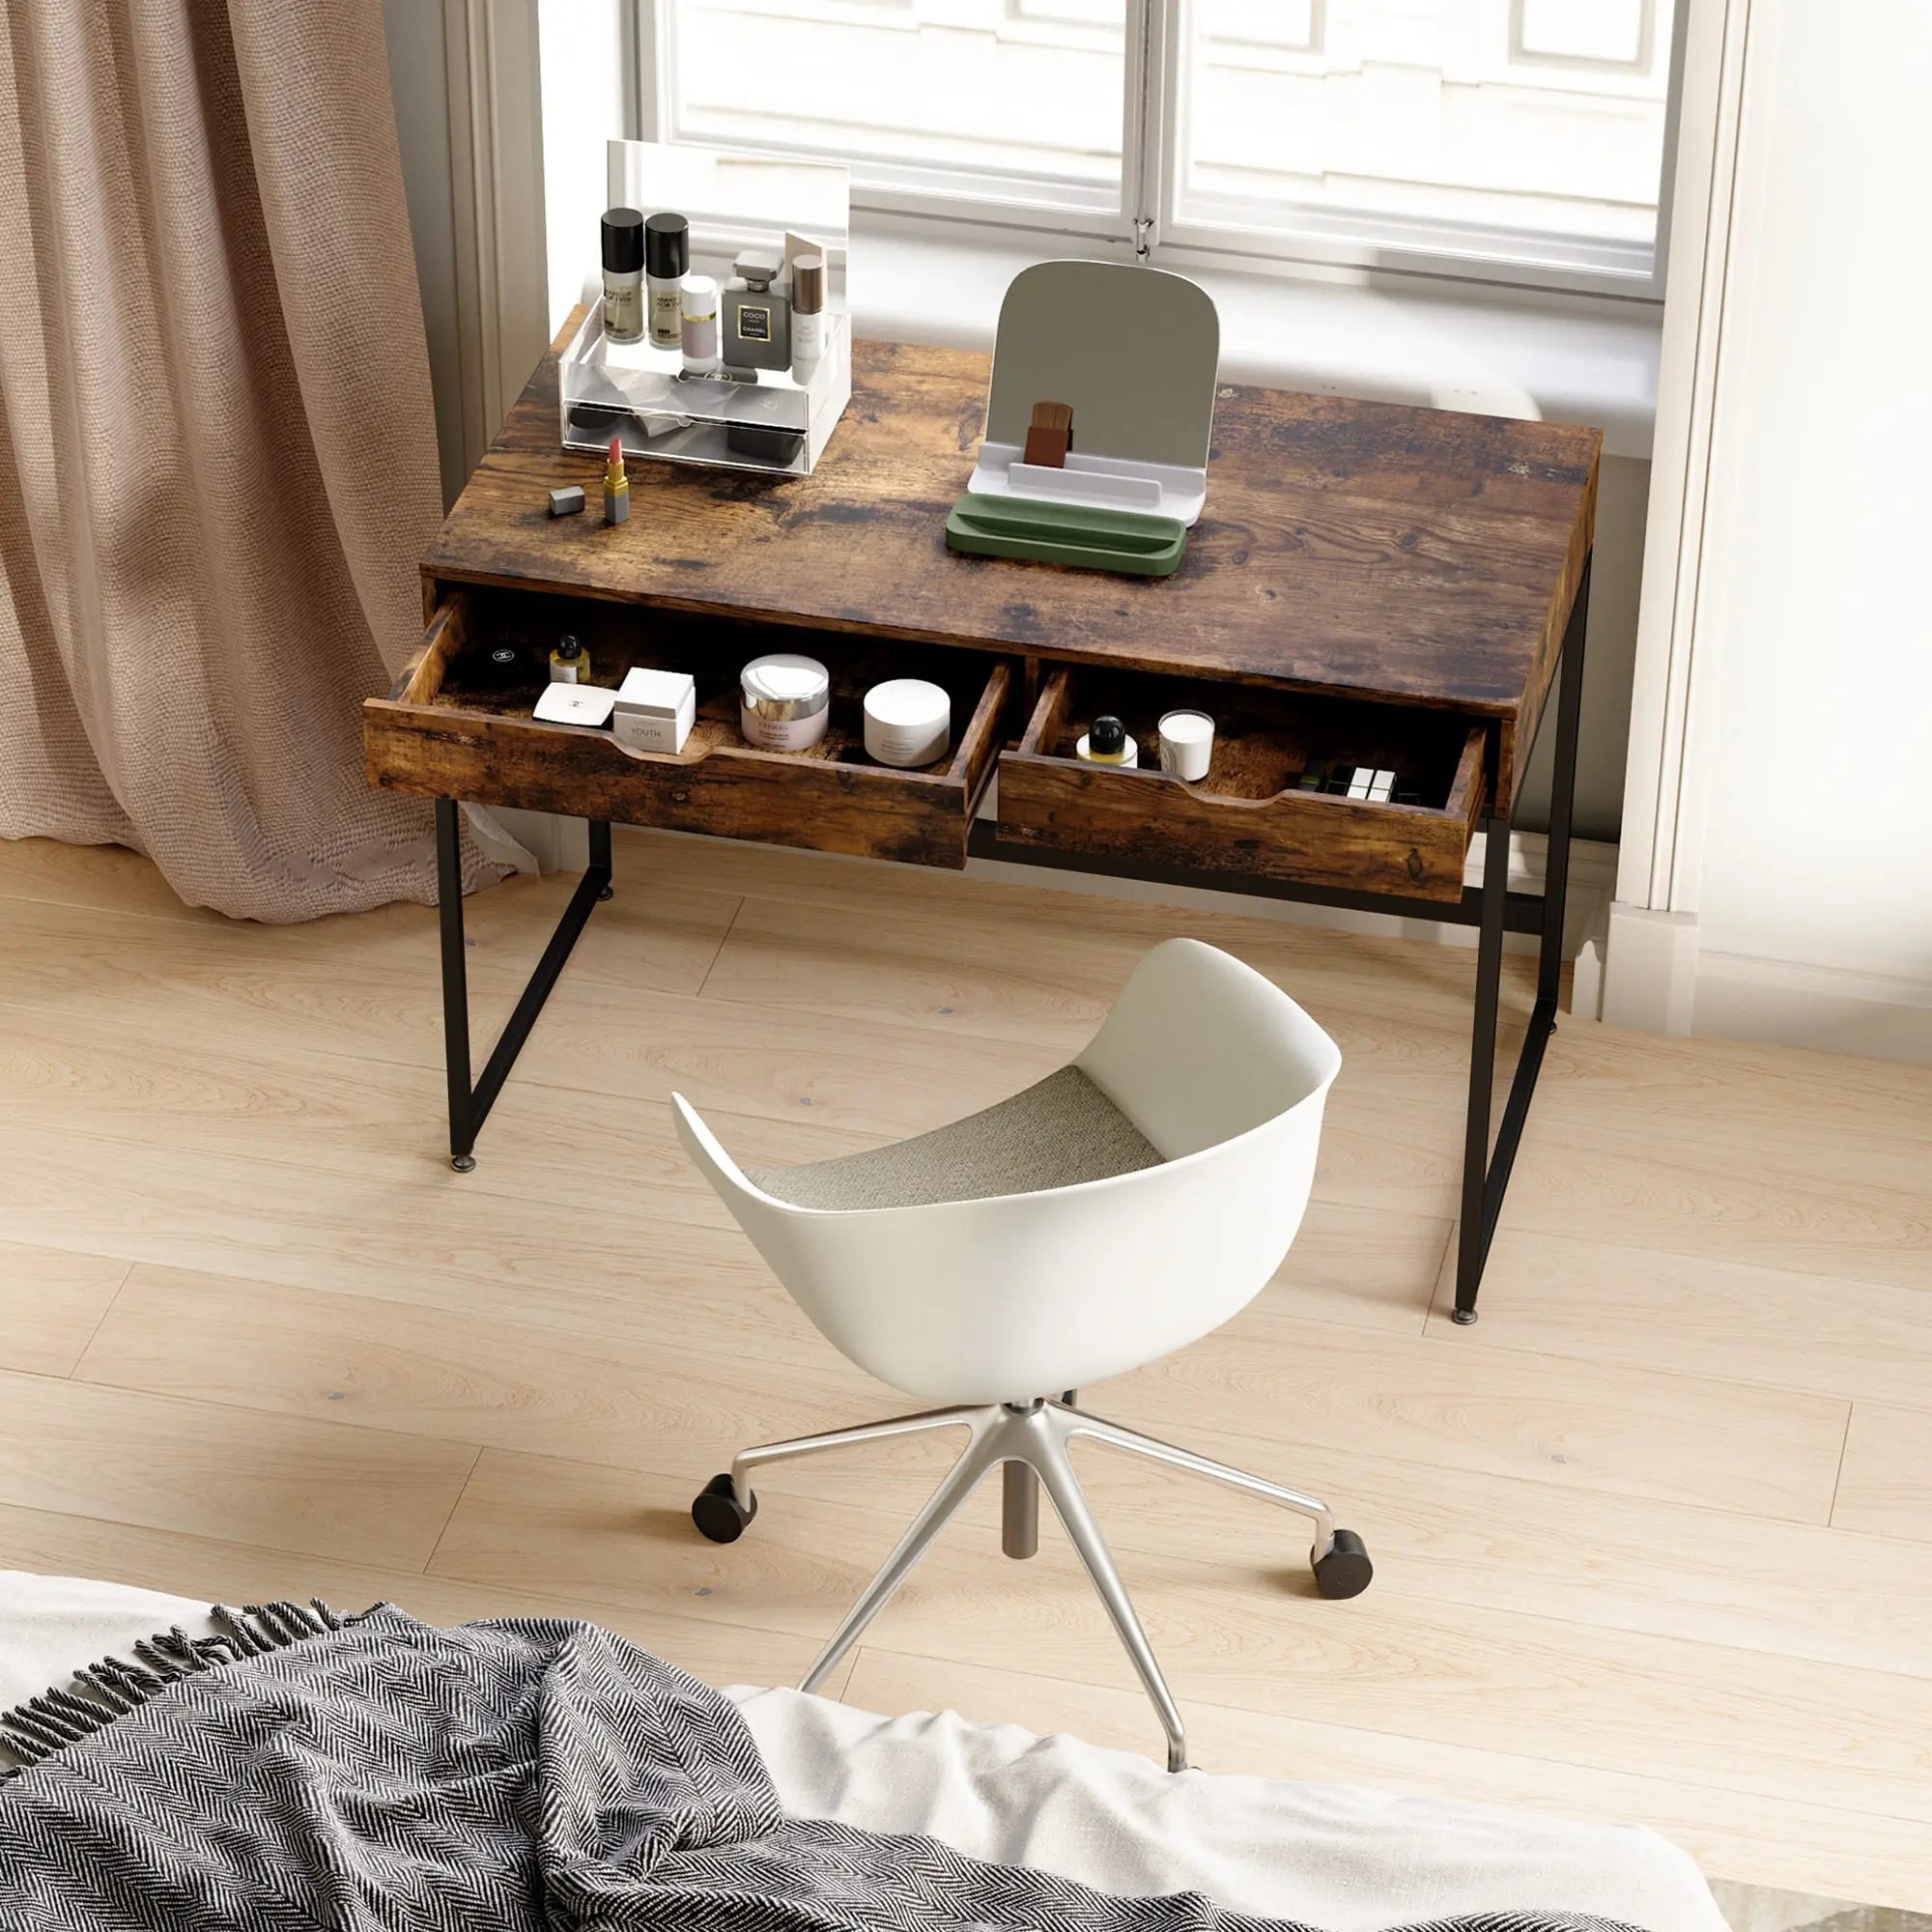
1653	1540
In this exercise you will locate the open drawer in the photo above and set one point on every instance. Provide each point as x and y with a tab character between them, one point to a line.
1251	813
454	728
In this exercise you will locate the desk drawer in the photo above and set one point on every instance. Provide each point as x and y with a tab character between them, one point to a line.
1250	813
450	731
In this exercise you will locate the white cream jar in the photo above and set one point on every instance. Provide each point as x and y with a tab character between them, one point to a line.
908	723
784	702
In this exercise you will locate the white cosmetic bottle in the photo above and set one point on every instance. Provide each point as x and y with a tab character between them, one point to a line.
809	319
700	321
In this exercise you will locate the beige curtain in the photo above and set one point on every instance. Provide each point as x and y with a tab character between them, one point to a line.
217	457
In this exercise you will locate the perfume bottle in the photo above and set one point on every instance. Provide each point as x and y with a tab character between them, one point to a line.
1107	743
623	274
755	317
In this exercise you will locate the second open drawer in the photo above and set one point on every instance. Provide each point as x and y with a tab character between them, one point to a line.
1251	813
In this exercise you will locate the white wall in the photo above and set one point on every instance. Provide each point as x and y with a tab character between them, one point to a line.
1805	880
585	66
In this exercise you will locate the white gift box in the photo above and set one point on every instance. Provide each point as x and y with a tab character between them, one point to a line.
655	710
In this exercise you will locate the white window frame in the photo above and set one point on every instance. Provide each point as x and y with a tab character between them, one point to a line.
1145	220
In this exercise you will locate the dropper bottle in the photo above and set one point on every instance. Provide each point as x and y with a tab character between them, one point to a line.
616	487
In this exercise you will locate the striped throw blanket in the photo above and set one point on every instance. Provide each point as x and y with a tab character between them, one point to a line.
372	1773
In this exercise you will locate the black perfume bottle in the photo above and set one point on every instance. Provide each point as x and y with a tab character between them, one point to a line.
755	318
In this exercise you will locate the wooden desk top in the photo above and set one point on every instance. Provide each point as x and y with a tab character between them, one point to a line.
1415	556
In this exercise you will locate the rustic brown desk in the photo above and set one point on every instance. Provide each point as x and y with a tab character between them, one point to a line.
1369	585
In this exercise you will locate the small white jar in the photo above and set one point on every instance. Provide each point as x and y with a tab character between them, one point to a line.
1187	745
784	702
908	723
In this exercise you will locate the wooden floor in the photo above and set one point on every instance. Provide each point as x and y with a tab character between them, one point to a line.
1653	1540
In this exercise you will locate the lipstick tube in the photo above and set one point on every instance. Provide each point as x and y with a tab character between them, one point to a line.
616	487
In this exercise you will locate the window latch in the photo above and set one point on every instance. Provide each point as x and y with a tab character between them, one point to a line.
1143	237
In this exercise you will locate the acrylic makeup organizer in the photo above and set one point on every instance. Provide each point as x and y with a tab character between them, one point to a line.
1134	352
766	420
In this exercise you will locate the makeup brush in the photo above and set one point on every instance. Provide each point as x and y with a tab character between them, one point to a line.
1050	435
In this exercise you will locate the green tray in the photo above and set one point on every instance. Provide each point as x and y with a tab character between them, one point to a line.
1118	540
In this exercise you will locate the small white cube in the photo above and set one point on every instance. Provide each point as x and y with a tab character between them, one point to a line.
655	710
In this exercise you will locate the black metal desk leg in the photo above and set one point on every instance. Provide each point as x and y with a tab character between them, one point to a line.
1486	1176
469	1106
1482	1066
1563	794
600	855
455	984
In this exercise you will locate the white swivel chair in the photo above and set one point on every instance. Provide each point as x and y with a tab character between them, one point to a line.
1104	1217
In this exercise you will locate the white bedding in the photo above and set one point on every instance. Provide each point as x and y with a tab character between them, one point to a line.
1331	1855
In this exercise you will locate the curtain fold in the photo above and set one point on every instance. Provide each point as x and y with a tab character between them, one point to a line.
217	451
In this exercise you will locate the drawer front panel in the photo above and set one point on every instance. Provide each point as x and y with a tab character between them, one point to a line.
1250	814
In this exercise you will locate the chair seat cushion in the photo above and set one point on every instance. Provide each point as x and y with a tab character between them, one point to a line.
1060	1132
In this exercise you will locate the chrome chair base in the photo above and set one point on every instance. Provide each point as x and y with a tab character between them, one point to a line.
1030	1439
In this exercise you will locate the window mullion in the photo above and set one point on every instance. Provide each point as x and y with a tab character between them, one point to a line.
1142	134
649	24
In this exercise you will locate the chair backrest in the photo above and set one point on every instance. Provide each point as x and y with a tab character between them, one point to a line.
1201	1048
1023	1294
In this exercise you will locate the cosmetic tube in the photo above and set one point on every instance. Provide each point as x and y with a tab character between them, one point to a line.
807	315
698	317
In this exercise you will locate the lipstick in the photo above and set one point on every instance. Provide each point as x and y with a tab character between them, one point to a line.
616	487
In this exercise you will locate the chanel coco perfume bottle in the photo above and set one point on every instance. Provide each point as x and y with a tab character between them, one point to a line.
755	318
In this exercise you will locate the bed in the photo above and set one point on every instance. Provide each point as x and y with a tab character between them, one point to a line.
1336	1857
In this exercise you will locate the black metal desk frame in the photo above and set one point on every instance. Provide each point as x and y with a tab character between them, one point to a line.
1491	907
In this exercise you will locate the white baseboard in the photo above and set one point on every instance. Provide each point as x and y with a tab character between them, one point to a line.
1648	969
1593	871
1870	1014
1657	977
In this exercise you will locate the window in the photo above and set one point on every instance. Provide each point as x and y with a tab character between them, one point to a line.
1009	101
1513	139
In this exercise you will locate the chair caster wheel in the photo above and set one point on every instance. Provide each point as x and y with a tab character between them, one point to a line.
718	1513
1345	1570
